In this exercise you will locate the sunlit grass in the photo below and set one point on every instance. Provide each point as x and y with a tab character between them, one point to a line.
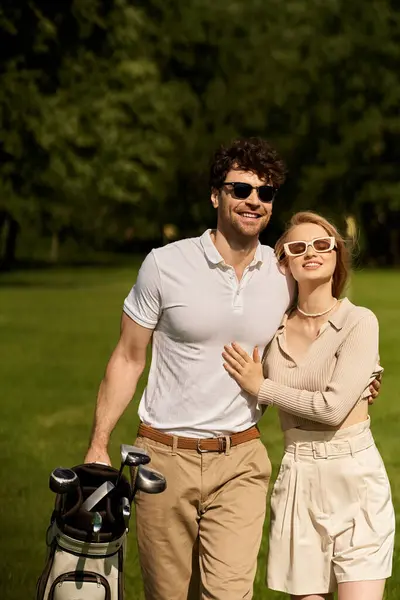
57	329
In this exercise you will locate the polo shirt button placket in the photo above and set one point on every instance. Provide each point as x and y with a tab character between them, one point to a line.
237	299
232	277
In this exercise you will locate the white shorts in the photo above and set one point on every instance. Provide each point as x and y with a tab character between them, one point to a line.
332	517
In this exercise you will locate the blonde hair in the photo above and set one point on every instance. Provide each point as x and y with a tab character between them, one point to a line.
343	257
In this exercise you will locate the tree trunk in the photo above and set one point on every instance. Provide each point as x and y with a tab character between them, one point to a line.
9	229
55	247
395	246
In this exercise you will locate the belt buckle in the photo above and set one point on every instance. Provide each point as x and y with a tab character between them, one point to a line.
199	448
316	450
221	445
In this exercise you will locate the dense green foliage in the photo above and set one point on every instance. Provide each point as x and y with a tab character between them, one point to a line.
110	110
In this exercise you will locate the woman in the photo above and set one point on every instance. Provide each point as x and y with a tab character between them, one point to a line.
332	518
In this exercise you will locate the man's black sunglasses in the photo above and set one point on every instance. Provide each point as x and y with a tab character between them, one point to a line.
266	193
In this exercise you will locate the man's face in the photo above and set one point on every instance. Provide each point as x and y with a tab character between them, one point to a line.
244	217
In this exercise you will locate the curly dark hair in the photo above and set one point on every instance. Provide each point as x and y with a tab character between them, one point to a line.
251	154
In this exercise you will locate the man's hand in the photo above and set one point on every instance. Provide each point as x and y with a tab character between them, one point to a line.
245	370
374	389
97	455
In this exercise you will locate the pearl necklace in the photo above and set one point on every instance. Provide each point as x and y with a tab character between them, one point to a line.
317	314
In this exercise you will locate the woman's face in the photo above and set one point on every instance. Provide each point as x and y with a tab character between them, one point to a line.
313	266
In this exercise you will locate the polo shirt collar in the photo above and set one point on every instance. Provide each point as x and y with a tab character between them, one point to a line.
258	258
214	257
339	317
212	254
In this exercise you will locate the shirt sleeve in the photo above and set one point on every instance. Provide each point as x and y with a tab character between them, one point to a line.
144	302
356	360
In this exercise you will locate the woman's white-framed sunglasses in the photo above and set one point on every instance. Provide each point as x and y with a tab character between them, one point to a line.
300	247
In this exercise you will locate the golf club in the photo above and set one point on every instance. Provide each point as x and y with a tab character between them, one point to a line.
97	522
62	481
133	457
94	498
149	481
125	509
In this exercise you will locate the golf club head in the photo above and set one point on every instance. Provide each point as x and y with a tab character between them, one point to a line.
63	480
94	498
97	522
133	456
149	481
125	507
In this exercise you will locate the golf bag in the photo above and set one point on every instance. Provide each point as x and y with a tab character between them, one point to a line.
85	562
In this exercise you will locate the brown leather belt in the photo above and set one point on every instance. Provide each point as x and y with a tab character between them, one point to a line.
217	444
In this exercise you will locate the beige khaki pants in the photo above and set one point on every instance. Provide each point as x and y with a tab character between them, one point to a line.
200	538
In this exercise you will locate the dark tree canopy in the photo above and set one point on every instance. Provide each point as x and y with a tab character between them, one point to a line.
111	109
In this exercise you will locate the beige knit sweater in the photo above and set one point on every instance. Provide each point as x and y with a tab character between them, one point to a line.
332	377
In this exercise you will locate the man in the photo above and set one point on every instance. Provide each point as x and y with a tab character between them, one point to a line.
200	538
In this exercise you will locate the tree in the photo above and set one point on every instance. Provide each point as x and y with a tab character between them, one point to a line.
110	110
97	134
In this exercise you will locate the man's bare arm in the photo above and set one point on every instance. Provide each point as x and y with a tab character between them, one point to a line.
118	386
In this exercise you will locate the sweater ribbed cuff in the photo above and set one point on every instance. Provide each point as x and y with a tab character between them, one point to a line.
266	392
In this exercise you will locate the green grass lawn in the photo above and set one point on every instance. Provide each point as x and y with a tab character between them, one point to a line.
57	329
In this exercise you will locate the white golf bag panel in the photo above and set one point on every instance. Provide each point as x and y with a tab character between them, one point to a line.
82	563
86	539
82	571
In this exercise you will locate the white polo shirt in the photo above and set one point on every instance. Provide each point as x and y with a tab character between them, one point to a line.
195	304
